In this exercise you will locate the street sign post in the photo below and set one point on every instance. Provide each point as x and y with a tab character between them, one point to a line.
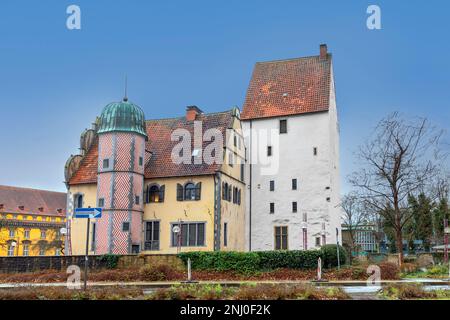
87	213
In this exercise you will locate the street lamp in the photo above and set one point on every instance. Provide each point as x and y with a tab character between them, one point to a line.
447	234
14	245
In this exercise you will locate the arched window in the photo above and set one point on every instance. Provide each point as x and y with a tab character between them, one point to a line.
189	191
155	193
78	201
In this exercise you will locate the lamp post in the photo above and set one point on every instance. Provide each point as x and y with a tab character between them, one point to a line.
14	244
337	248
447	233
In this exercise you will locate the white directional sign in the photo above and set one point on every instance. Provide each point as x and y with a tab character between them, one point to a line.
88	213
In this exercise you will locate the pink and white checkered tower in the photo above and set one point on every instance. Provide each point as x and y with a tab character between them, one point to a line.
120	179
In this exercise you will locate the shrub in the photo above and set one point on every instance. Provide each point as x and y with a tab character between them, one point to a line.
288	259
329	255
110	260
243	262
406	291
156	272
251	262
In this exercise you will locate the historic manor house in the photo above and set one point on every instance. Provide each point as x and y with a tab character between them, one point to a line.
152	204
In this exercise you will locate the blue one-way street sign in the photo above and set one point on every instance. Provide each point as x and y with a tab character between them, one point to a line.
88	213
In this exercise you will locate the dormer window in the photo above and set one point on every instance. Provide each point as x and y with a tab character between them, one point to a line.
41	209
22	208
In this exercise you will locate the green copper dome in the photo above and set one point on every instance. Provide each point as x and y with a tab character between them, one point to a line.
122	116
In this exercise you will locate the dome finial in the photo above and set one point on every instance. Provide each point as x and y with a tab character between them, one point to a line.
125	98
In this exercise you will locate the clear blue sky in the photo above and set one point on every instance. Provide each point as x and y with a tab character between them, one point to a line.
53	81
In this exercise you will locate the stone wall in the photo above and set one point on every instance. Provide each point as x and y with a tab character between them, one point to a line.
34	264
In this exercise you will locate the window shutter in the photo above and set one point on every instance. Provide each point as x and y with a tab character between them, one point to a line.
198	191
162	190
179	192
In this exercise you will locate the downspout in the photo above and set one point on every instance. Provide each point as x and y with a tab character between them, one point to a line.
250	194
217	210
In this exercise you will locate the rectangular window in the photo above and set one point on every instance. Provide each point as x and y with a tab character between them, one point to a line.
272	207
12	233
235	140
317	241
269	151
26	234
272	185
57	252
26	250
294	184
191	235
141	161
225	234
43	234
41	251
283	126
137	200
230	159
242	172
294	206
101	202
315	151
151	235
105	163
126	226
281	238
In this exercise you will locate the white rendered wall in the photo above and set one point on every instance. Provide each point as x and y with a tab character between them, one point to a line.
314	174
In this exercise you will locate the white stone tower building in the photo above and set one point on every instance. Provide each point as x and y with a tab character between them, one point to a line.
292	170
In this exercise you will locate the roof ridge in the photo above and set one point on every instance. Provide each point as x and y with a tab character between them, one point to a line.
33	189
291	59
182	117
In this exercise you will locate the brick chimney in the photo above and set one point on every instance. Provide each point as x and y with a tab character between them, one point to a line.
323	52
192	112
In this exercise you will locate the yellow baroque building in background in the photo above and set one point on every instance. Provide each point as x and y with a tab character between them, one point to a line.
31	222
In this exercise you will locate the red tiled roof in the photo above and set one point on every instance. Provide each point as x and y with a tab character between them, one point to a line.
288	87
160	145
32	199
87	172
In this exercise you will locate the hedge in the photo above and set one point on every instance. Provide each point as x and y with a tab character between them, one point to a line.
247	262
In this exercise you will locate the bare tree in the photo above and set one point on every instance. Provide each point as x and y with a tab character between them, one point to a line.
355	215
401	159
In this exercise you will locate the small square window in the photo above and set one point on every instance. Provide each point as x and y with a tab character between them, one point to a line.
101	202
137	200
272	185
283	126
294	184
105	163
272	207
126	226
294	206
269	151
141	161
317	241
328	199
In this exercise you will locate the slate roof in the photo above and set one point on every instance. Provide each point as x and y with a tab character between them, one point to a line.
288	87
160	145
11	198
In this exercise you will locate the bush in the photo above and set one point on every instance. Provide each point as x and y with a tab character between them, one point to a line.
111	260
251	262
329	255
288	259
244	262
158	272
